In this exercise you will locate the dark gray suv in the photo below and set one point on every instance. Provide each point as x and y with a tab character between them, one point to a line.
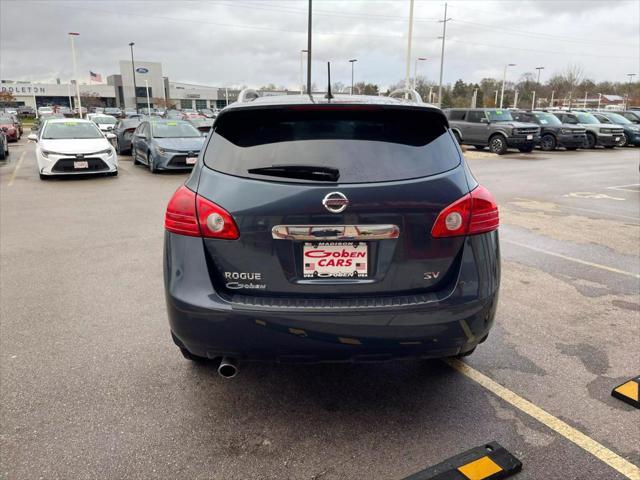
316	230
493	128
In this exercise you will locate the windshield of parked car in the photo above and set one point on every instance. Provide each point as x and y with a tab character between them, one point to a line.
586	118
70	130
499	115
175	129
617	118
352	145
547	119
105	120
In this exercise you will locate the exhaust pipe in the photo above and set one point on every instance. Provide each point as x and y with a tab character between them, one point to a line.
228	367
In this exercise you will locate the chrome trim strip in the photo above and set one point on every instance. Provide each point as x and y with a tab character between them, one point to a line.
335	232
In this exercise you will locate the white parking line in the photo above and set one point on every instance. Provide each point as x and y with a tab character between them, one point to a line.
575	436
625	187
15	170
576	260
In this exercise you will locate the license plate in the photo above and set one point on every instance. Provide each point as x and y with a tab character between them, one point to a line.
192	160
79	165
335	260
529	137
617	139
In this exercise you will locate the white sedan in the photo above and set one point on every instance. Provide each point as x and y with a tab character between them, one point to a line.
73	146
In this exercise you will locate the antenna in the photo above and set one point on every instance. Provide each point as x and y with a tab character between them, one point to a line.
328	95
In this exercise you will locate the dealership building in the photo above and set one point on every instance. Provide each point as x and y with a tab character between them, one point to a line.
119	91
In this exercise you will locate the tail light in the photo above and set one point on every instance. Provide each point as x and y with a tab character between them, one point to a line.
476	212
192	215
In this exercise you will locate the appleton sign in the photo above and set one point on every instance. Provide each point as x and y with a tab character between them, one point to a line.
23	89
55	89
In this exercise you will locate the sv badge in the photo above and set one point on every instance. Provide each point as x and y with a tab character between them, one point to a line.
431	275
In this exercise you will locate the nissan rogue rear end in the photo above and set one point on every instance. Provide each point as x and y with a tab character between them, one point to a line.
318	230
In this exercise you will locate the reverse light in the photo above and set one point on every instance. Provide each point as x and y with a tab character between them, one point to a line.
476	212
192	215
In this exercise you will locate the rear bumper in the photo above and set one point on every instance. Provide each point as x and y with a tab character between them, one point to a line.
208	325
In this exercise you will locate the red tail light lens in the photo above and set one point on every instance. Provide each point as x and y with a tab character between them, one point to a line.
476	212
190	214
215	221
181	216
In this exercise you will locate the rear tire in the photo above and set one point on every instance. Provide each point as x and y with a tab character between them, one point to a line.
548	142
498	145
467	353
591	141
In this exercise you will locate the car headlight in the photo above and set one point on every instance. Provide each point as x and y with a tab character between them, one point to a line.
566	130
108	151
605	130
161	151
46	153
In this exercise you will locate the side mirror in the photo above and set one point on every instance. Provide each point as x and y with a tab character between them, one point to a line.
484	120
110	136
32	137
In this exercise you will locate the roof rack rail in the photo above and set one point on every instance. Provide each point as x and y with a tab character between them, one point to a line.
247	95
405	93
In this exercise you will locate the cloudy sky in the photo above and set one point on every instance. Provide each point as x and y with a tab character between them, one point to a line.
257	42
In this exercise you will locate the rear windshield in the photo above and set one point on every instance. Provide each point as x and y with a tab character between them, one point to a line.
364	145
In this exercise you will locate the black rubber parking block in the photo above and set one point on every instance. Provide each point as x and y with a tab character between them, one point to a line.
487	462
628	392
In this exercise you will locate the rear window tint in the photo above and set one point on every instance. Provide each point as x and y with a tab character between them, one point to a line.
365	145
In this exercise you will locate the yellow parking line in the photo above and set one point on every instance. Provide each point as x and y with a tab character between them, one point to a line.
15	170
575	436
576	260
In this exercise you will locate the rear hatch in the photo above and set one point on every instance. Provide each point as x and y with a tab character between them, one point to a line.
332	201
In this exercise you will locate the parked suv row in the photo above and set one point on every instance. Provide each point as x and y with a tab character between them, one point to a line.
553	133
493	128
597	133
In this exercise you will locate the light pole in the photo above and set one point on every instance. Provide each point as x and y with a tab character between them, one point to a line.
599	100
630	75
302	52
444	34
407	82
495	100
415	71
75	70
585	100
533	102
352	62
133	72
309	92
551	102
504	79
146	84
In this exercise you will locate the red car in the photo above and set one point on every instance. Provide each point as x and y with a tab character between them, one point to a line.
10	129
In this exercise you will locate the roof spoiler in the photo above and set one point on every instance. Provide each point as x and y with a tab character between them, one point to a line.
248	95
407	94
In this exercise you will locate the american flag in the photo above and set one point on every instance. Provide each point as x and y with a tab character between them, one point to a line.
309	266
95	77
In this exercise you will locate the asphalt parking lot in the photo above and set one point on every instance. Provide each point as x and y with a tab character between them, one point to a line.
92	386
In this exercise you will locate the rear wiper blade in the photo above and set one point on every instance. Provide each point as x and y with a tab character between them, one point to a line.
303	172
